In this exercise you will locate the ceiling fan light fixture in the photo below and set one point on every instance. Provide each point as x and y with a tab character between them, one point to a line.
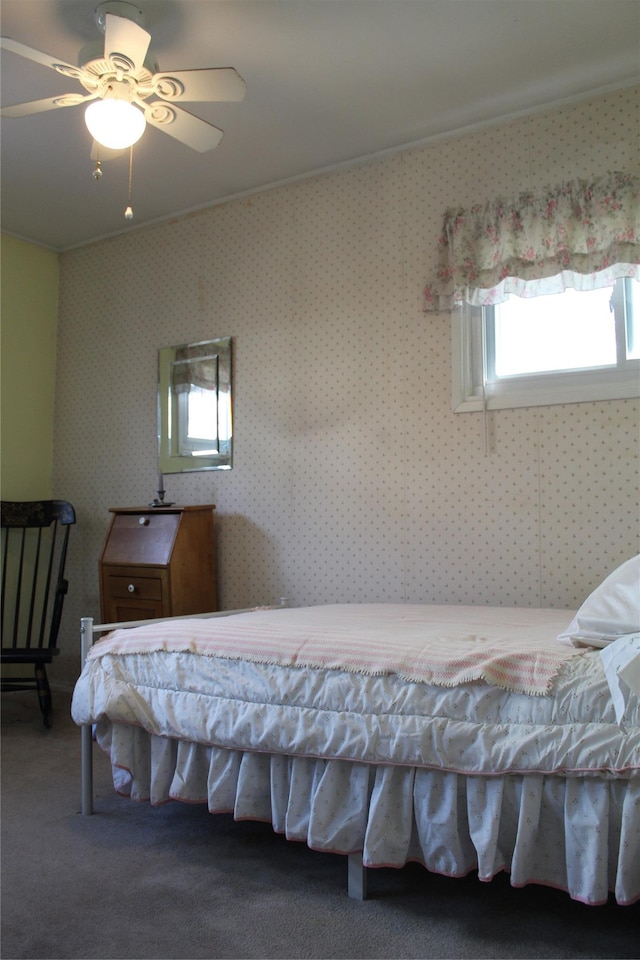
115	123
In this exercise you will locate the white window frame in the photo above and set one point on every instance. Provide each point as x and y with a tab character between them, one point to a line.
471	392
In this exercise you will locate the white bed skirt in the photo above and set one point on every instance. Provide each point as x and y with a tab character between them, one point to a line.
578	833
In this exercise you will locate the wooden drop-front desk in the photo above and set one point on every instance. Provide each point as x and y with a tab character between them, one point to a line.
158	562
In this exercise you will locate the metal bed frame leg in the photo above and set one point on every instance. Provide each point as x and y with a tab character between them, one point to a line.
86	731
356	877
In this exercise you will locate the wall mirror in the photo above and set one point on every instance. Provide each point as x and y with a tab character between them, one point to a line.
194	407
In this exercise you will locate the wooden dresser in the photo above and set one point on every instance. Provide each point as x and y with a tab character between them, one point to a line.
158	562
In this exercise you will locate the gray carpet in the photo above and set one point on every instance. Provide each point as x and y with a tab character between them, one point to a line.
134	881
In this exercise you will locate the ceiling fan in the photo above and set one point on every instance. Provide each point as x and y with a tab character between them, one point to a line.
123	81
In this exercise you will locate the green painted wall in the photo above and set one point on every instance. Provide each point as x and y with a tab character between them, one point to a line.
29	303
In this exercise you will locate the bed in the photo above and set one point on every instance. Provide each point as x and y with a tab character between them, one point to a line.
466	738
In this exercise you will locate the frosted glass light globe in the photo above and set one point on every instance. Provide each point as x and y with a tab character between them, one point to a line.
114	123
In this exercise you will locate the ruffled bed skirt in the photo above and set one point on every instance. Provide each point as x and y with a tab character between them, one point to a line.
579	834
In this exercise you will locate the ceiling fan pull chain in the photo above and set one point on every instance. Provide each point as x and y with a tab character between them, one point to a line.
97	173
128	213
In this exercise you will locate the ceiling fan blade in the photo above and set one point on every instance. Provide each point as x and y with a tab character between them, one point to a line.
14	46
194	132
125	43
50	103
215	83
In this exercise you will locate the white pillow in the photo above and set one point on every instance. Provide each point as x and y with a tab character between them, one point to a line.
611	611
621	663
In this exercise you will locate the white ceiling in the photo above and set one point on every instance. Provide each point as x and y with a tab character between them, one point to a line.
328	82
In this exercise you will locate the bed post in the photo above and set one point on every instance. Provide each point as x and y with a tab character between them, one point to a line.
356	877
86	730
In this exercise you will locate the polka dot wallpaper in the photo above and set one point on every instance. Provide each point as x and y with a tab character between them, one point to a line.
352	478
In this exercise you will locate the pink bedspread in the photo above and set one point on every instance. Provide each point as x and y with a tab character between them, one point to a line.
441	645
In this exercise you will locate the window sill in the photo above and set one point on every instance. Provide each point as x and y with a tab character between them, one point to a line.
547	391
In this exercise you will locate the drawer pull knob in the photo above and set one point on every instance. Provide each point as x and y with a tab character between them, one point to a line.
143	521
131	588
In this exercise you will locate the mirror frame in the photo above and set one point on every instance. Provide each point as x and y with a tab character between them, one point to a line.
170	460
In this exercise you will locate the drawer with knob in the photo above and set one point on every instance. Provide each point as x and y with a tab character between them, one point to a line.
143	588
127	594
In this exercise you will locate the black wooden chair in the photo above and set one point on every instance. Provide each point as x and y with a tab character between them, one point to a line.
35	536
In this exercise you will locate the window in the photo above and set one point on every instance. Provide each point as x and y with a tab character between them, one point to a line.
559	348
198	422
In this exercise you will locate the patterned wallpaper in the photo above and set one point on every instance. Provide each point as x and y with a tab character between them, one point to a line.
352	478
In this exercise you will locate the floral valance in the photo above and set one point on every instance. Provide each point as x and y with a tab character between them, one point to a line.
195	366
583	234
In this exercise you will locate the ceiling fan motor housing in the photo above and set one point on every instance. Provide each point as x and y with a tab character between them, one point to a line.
101	74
